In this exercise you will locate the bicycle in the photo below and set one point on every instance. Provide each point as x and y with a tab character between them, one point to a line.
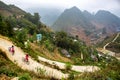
25	60
11	51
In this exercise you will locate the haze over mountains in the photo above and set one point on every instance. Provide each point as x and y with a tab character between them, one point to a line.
87	25
48	15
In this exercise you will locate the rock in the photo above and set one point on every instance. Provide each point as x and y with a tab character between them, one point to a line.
65	52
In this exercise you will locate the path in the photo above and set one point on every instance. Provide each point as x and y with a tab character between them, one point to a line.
104	47
105	51
116	37
74	67
33	66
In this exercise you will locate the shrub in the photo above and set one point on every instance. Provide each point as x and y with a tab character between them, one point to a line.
7	72
68	66
41	72
49	45
71	76
25	76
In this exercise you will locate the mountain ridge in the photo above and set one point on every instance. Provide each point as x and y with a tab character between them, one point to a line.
99	23
9	10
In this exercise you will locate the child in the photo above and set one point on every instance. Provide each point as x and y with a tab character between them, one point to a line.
12	49
26	57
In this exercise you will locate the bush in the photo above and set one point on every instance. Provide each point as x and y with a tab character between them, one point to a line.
41	72
78	61
7	72
25	76
68	66
49	45
71	76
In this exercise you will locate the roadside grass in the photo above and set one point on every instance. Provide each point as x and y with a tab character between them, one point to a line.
55	55
109	71
35	50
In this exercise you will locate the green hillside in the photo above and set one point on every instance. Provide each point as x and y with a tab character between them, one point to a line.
24	28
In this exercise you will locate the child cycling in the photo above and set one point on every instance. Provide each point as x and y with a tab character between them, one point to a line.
11	49
26	57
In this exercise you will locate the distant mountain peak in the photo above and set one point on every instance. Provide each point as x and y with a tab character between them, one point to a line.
103	12
88	15
106	15
86	12
74	8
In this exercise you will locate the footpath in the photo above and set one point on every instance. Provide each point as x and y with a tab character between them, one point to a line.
34	65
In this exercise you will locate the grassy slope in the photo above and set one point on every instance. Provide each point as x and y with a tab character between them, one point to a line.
42	51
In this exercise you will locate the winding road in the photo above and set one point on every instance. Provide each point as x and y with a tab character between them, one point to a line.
105	51
74	67
34	66
111	41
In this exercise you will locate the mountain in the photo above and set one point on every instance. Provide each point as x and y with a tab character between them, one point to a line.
87	26
109	20
88	15
8	10
72	17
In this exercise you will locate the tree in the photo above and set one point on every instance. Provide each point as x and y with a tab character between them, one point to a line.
64	41
5	27
36	18
9	28
29	17
60	39
21	36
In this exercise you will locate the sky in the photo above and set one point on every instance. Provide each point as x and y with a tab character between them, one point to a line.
90	5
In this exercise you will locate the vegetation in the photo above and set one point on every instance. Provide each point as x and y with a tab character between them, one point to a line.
27	30
68	66
41	72
5	27
25	77
109	71
24	29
